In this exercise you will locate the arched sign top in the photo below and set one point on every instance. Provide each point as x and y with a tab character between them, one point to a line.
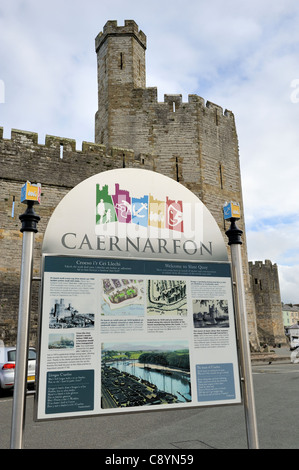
134	213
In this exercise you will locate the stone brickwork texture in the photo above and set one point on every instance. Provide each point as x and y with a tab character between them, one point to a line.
195	143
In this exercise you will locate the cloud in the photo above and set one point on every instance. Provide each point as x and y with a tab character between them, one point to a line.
277	239
288	281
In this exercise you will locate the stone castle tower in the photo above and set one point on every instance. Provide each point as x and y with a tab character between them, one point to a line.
195	143
266	291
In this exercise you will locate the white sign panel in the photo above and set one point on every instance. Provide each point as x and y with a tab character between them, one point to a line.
134	323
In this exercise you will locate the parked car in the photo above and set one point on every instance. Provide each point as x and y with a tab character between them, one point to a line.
8	364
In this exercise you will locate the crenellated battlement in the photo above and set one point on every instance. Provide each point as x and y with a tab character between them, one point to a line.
28	138
111	28
57	162
261	265
24	137
149	96
175	101
31	138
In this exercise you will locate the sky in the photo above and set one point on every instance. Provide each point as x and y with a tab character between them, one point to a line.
238	54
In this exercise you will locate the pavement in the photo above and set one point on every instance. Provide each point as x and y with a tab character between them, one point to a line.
276	385
272	355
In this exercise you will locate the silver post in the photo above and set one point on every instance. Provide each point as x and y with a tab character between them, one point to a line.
18	413
234	235
29	220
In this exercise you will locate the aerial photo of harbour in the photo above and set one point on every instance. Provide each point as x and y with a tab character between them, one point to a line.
145	374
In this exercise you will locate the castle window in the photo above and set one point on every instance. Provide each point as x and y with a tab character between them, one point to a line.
173	106
220	176
61	151
121	62
13	206
177	168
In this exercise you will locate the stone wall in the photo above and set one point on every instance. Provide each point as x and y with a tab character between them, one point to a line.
58	166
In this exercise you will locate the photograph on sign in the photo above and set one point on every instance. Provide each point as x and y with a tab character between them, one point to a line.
143	324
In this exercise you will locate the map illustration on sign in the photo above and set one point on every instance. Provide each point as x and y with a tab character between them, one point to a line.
122	297
166	297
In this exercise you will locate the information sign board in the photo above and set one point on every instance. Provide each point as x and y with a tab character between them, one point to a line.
137	312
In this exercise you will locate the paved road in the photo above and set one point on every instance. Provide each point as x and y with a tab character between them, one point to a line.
276	395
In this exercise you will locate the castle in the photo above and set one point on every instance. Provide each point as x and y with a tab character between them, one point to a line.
195	143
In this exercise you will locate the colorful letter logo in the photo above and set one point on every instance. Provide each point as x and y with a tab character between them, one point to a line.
145	211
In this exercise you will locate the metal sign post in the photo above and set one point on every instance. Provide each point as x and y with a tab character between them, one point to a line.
29	221
234	236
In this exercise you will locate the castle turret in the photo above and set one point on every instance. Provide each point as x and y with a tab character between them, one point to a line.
121	68
266	290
